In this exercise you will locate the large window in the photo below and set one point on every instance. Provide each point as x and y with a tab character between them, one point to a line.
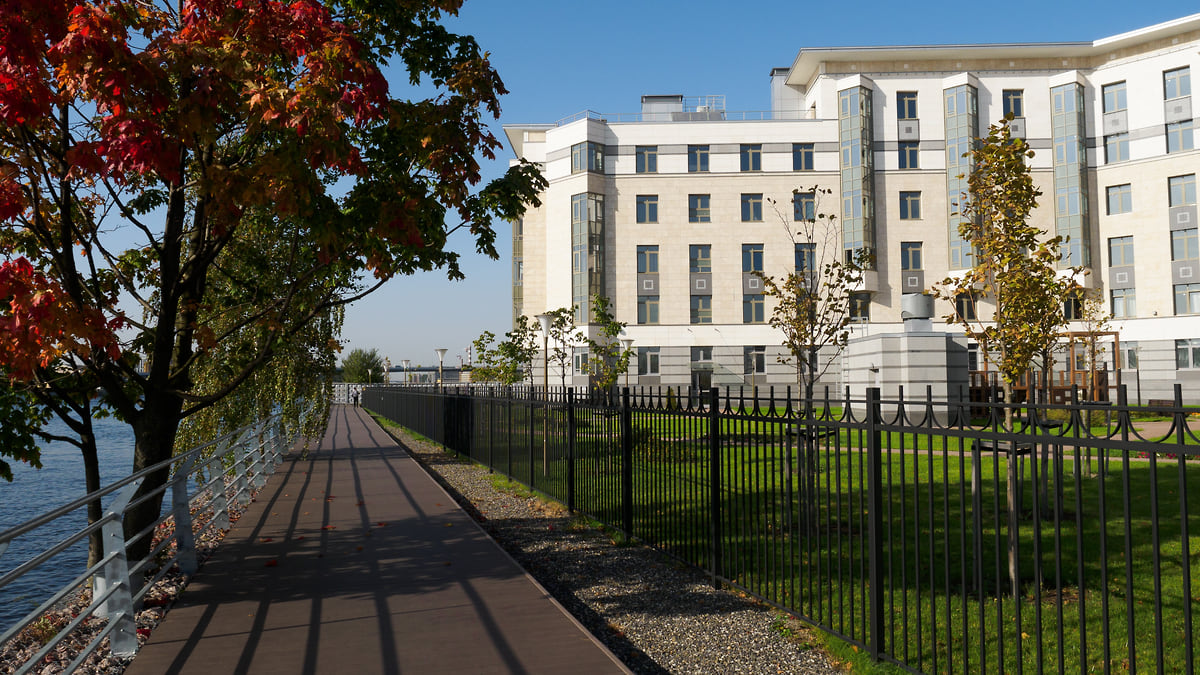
910	206
1187	353
1181	190
806	257
647	208
1187	298
754	359
648	360
1114	97
906	105
804	206
751	157
647	158
752	208
647	259
1179	136
1185	245
1073	307
752	257
697	158
910	255
909	155
698	211
587	156
701	309
1120	251
1120	198
753	309
1116	148
802	156
1124	303
1177	83
1014	102
700	259
647	308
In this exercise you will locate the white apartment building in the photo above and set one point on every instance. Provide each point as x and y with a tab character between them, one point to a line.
668	212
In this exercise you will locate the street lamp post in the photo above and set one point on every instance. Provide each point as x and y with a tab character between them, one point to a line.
626	344
405	362
441	352
544	320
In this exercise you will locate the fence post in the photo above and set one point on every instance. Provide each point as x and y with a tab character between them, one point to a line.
532	430
119	605
714	485
185	540
240	469
626	464
571	450
875	523
220	502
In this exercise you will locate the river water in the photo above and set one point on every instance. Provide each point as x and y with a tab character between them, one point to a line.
36	491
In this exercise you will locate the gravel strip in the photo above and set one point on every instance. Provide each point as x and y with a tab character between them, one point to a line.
655	613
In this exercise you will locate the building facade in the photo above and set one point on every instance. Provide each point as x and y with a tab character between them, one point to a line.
671	211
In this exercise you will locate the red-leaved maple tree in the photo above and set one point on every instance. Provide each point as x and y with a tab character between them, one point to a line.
175	177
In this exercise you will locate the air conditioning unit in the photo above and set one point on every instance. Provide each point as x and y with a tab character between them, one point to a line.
703	108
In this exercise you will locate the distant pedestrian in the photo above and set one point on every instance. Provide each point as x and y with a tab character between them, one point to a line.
356	399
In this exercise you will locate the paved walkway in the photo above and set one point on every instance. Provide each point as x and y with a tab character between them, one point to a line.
356	561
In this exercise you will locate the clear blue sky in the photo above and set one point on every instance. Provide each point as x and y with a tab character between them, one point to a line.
558	57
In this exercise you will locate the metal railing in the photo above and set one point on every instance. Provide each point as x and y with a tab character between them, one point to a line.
203	482
939	536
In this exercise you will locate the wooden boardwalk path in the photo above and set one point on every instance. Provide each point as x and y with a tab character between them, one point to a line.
355	561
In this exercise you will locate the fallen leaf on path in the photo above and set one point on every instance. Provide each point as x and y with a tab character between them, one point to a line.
271	563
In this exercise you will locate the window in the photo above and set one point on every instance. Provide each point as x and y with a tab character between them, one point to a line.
647	208
752	257
697	158
1181	190
806	257
1129	355
1187	353
802	156
906	105
910	255
698	211
1179	136
755	359
910	206
701	354
1114	97
1185	245
647	259
909	155
860	307
648	360
805	206
1187	299
580	361
1120	251
647	309
587	157
752	208
1073	307
701	309
1177	83
965	306
1124	303
1120	199
1014	102
753	309
752	157
647	158
1116	148
700	259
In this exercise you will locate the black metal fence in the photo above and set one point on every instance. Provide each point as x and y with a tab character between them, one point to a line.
942	536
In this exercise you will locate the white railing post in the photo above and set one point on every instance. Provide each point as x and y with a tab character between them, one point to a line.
220	501
119	605
259	465
280	443
185	539
240	468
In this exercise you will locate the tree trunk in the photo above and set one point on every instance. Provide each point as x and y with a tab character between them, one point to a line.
91	474
154	441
